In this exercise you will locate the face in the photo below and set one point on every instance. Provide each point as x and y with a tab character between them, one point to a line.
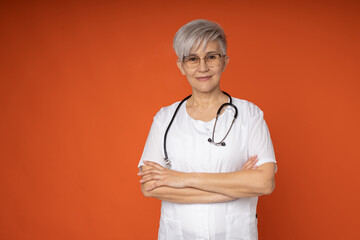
205	79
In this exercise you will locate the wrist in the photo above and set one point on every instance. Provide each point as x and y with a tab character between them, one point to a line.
190	179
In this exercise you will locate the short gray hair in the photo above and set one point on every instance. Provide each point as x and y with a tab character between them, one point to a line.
193	33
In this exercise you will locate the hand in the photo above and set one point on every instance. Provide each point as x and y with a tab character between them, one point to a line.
162	176
250	163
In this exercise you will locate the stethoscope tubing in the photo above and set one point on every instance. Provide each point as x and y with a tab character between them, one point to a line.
211	140
171	121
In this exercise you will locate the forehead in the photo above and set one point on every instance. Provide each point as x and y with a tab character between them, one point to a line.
212	46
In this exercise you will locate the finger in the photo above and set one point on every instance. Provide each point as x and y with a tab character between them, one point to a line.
254	161
251	159
141	170
253	164
151	187
146	179
154	185
153	164
149	177
149	171
248	162
143	173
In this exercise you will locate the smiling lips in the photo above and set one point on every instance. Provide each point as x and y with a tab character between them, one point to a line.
202	79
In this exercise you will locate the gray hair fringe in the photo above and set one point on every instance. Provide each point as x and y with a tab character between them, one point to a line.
198	31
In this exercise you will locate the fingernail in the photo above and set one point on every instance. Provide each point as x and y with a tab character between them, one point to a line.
141	181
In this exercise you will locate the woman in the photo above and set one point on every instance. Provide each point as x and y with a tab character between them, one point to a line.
215	167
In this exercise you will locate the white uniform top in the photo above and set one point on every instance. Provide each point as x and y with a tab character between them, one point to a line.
189	151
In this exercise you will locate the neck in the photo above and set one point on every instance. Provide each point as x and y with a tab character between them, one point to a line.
206	100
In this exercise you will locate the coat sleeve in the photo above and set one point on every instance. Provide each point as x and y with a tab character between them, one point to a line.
153	150
260	143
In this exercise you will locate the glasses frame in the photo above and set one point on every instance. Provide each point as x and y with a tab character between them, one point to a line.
204	59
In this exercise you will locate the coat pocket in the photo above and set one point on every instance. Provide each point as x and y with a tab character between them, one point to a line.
241	227
170	229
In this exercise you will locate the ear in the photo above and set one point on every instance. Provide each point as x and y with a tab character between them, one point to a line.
180	66
226	61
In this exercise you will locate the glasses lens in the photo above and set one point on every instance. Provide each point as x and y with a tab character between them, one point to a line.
212	60
191	61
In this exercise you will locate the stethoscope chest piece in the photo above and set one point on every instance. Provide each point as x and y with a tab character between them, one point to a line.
217	144
167	163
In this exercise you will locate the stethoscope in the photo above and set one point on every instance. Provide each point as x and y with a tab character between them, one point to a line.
210	140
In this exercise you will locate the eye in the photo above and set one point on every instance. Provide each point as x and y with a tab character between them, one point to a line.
212	57
193	59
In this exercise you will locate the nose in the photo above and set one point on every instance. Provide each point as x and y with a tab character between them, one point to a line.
203	67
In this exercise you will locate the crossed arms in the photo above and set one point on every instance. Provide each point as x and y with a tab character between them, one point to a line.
169	185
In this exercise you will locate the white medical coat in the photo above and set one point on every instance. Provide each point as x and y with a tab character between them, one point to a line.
189	151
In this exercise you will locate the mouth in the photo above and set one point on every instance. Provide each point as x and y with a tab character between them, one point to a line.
202	79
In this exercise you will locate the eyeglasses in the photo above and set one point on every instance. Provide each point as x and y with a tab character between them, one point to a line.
211	60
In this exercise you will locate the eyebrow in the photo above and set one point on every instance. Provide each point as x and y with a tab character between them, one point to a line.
208	53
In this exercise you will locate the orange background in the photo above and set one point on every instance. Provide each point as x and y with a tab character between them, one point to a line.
81	81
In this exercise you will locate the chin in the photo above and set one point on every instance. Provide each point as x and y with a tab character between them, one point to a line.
204	87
